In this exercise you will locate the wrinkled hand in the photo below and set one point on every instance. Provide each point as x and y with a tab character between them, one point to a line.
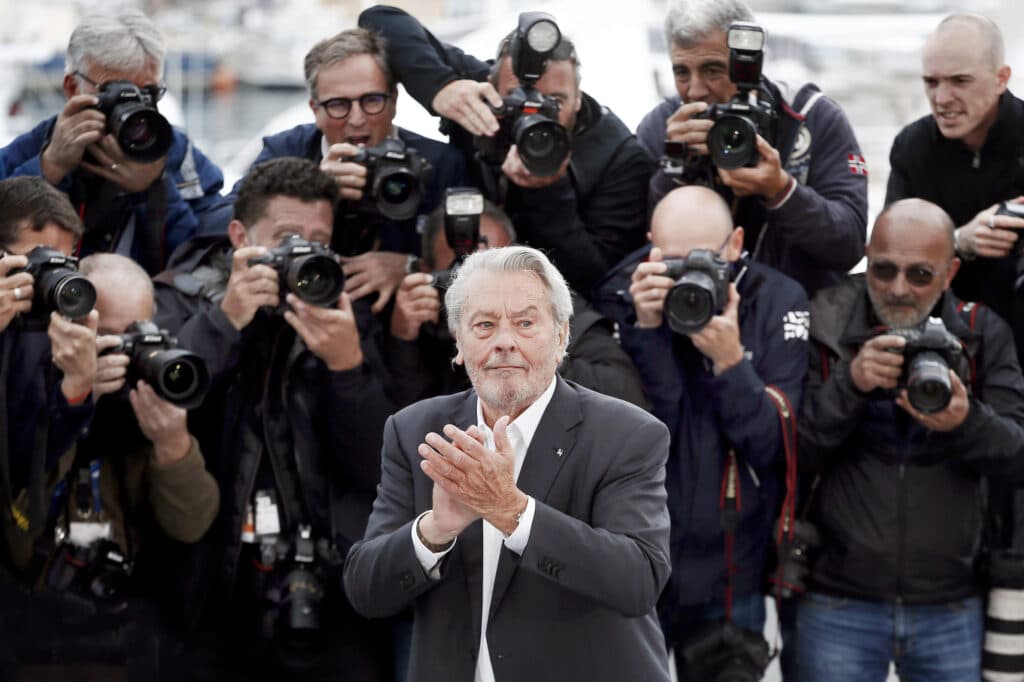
163	423
767	179
465	102
112	164
380	271
448	516
990	235
719	340
351	176
416	302
78	125
249	287
480	479
110	369
948	419
74	352
515	170
683	127
11	305
330	333
876	367
649	288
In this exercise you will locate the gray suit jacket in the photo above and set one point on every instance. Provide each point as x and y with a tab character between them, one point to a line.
579	603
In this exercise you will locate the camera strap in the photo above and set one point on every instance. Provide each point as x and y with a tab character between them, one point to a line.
730	504
969	312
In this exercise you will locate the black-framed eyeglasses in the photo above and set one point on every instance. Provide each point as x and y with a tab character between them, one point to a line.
886	271
341	107
157	91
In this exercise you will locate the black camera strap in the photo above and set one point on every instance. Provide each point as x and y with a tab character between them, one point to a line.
730	505
150	237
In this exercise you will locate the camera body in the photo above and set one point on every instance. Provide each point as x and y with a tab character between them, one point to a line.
701	290
177	376
308	269
57	286
528	118
724	652
929	353
132	117
98	574
395	178
794	555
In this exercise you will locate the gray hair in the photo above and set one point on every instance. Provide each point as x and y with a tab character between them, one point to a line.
339	47
688	22
989	34
509	259
128	41
115	264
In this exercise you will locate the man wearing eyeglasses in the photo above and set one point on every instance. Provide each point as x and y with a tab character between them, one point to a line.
353	96
711	386
140	208
899	504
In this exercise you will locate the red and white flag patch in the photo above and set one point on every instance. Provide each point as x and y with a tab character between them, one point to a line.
857	164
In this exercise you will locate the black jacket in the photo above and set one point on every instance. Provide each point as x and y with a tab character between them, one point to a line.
588	220
320	430
900	507
928	166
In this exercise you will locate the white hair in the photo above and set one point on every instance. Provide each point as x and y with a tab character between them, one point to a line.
128	41
100	264
509	259
688	22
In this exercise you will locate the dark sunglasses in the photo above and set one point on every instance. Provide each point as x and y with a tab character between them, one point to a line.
370	103
917	275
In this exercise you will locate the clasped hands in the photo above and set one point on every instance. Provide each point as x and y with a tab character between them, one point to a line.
470	482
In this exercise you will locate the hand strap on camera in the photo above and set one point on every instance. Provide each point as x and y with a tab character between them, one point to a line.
785	528
730	504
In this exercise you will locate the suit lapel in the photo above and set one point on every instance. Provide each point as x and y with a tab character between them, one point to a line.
552	445
471	540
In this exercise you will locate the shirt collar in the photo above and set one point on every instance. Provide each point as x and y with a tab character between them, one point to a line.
526	423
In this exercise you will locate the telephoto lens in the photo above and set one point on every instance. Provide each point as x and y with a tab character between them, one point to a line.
143	134
58	286
701	290
177	375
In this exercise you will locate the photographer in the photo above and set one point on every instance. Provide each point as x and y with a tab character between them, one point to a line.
141	187
712	381
964	157
48	366
911	399
129	489
590	212
353	96
421	347
804	201
292	429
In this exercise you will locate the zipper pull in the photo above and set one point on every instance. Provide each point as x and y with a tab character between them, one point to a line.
976	161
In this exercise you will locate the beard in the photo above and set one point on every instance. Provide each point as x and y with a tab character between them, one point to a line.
508	394
909	312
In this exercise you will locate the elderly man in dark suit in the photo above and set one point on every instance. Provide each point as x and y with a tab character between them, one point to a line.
531	537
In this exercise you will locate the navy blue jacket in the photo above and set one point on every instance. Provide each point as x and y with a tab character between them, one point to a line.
818	233
449	170
708	416
193	184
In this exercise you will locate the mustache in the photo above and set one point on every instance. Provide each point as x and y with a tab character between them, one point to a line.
899	300
503	361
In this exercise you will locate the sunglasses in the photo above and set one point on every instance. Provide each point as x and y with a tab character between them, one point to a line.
917	275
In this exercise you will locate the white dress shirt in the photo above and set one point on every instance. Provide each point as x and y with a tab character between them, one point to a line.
520	433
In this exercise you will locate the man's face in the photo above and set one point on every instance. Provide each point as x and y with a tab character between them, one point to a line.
702	71
490	230
148	77
507	339
52	236
120	300
914	256
559	82
963	85
351	79
311	220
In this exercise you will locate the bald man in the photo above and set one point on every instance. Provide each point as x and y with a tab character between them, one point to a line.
899	500
709	387
967	156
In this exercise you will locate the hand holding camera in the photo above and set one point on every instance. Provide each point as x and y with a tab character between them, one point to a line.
993	233
949	417
163	423
466	102
111	366
689	125
650	285
878	363
16	292
416	302
111	163
351	176
250	287
719	339
516	171
78	125
330	333
766	178
74	353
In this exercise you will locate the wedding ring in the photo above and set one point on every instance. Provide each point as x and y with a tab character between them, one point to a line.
17	293
113	166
